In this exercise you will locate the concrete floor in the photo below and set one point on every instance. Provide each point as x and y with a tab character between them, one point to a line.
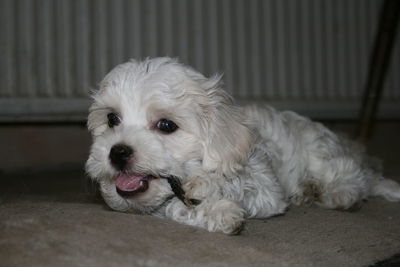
56	219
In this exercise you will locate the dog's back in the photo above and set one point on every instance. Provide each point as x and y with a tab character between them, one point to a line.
307	152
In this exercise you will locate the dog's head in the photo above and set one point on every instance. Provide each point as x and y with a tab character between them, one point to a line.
156	118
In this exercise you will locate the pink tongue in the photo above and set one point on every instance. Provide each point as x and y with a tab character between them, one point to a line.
127	182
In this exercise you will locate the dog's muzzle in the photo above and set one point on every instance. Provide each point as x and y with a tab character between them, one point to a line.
120	155
126	183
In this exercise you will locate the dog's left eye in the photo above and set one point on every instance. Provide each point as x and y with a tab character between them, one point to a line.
166	126
113	119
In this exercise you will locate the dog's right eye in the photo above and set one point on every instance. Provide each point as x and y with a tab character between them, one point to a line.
113	119
166	126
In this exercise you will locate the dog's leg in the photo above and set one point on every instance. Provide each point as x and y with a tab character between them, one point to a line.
216	216
215	212
309	193
342	183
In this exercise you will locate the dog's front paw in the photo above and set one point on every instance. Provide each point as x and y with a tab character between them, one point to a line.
177	211
220	216
225	216
201	188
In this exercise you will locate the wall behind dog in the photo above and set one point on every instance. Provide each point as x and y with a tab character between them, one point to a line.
309	55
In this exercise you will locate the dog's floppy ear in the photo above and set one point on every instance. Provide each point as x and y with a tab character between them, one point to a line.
227	136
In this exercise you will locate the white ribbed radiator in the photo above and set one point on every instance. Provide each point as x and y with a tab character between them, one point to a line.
309	55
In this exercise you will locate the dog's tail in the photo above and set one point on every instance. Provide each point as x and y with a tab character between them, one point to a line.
386	188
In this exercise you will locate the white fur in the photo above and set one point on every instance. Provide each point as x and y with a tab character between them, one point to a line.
240	162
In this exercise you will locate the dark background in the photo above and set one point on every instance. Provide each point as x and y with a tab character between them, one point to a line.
311	56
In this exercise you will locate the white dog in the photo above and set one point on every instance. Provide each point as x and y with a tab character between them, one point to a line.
158	118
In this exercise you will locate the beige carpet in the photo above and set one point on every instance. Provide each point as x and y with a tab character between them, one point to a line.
49	220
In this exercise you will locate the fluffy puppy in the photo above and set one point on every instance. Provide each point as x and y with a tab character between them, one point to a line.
158	118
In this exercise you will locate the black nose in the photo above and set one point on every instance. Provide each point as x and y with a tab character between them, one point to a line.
120	155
